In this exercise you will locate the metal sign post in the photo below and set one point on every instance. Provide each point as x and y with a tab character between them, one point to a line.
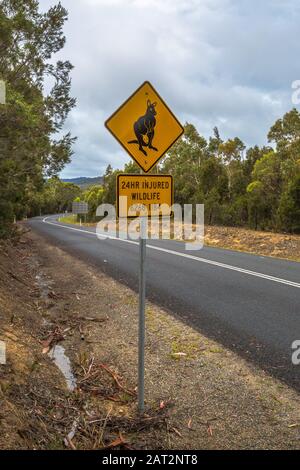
142	301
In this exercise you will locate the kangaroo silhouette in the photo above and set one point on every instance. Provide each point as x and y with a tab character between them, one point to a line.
145	126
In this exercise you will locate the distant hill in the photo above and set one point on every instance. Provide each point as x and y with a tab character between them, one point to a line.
83	181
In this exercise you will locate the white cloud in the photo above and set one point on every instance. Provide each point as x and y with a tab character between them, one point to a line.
228	63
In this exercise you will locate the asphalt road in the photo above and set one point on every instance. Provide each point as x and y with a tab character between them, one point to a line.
249	303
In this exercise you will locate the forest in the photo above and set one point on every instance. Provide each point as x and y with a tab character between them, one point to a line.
256	187
33	146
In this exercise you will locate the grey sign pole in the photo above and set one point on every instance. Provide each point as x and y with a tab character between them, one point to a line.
2	92
142	301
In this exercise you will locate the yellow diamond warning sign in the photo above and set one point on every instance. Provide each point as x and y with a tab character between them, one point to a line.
145	126
139	195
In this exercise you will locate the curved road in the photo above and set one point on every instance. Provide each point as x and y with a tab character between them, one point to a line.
248	303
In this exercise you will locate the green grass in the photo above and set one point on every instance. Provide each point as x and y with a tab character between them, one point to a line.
69	219
72	219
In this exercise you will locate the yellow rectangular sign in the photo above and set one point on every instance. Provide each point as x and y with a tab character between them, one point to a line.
145	126
144	195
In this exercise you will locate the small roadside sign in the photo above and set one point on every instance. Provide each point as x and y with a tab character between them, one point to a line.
2	92
145	126
144	195
80	208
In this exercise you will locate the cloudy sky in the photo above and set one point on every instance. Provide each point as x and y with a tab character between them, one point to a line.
225	63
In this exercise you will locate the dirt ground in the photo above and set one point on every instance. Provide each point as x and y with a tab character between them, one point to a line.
279	245
198	394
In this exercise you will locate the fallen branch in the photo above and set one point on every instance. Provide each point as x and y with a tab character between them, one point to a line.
52	339
17	278
116	379
99	320
116	443
68	439
100	439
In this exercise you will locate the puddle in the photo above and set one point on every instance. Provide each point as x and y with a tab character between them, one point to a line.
62	361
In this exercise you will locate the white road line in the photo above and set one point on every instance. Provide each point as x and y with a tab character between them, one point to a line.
185	255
